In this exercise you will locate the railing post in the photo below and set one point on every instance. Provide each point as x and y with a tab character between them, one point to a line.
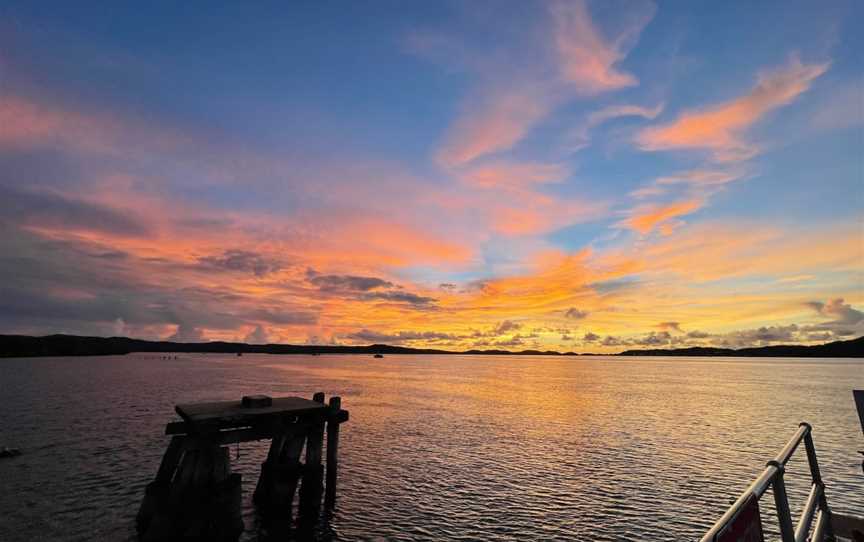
815	473
781	501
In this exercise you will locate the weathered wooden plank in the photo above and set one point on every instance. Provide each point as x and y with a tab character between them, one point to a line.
185	473
170	460
256	401
233	413
223	437
276	446
293	448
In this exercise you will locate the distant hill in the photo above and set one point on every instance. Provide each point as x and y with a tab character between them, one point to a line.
15	346
853	348
73	345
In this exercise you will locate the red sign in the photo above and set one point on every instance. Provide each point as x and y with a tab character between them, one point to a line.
744	526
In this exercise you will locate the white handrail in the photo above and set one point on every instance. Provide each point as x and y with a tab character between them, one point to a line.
772	476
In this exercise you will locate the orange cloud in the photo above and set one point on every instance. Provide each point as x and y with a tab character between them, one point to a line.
719	129
713	251
644	219
587	58
245	272
528	213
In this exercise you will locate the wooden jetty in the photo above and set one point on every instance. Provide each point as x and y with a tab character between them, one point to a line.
195	496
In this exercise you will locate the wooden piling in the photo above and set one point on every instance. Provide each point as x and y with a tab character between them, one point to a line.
313	475
332	450
315	441
195	495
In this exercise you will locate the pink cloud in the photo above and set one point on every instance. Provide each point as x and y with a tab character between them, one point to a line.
27	123
514	175
513	99
720	129
492	123
587	58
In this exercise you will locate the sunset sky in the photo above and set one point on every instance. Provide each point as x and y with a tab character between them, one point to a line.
559	175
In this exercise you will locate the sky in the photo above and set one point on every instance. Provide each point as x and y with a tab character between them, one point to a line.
562	175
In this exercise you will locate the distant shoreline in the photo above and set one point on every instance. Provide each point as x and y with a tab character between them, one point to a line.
19	346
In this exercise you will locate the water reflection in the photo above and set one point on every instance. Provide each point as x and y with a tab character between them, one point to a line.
445	448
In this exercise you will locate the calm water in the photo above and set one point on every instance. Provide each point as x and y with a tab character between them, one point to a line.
442	448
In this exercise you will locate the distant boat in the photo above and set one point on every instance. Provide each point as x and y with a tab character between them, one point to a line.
378	355
239	354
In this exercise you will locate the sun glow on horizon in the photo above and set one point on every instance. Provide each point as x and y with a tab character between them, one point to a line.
570	178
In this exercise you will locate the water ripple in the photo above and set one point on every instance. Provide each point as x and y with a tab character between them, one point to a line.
441	448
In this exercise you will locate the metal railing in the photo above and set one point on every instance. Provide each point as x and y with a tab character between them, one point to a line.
816	506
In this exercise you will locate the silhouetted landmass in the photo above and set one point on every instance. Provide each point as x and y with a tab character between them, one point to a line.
73	345
19	346
853	348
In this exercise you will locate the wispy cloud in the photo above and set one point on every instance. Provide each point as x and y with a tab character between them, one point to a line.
515	175
493	122
579	138
702	177
588	59
126	217
702	182
721	129
645	218
511	100
26	123
51	211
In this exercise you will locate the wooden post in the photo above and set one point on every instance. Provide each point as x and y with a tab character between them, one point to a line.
265	479
311	489
170	460
316	438
332	450
156	491
196	495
